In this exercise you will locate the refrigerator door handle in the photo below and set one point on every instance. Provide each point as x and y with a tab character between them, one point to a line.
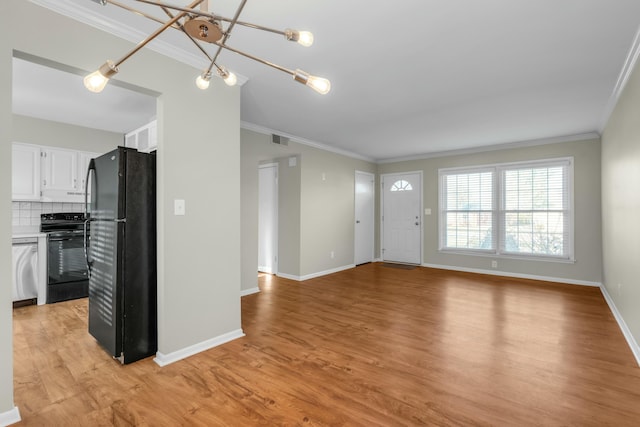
92	167
85	242
87	214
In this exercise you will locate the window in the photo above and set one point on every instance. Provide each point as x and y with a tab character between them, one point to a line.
518	209
401	185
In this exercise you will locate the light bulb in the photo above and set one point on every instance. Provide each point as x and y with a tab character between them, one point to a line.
319	84
231	79
305	38
96	81
202	81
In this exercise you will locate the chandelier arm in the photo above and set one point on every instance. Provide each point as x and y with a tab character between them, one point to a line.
181	27
258	27
255	58
211	15
139	12
188	9
155	34
228	32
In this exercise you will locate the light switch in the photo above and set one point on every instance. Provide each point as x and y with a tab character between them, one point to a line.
427	211
293	161
178	207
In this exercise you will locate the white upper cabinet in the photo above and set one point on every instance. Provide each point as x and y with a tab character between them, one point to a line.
144	139
60	172
25	172
49	174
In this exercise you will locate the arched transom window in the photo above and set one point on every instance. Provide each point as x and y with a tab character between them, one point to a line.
401	185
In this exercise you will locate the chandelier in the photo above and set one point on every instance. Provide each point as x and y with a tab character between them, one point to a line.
200	25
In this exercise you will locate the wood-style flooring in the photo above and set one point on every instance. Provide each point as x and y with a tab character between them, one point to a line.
370	346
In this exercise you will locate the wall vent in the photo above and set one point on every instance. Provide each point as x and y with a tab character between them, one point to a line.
280	140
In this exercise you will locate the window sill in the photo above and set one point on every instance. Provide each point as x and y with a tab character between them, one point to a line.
507	256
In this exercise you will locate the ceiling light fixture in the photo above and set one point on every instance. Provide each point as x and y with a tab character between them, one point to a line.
198	24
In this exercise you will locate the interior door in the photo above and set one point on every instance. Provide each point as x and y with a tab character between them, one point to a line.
401	220
364	215
268	218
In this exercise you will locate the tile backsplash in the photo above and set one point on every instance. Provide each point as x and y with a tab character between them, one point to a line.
26	215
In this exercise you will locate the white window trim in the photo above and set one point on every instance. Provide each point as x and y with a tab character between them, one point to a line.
498	200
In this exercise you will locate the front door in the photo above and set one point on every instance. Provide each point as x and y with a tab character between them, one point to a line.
401	217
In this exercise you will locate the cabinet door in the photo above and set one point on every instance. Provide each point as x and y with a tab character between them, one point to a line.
131	140
143	139
153	136
25	172
60	170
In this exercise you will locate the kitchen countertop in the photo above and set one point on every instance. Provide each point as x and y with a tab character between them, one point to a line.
27	234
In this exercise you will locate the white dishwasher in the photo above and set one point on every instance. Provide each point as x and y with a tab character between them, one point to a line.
25	268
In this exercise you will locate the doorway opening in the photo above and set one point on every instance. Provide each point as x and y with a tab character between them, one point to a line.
268	218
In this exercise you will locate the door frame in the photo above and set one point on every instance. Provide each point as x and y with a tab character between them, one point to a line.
373	214
383	178
276	224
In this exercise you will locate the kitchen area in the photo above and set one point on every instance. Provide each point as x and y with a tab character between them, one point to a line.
53	143
48	219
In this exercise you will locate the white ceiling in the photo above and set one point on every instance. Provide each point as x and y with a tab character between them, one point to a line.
409	78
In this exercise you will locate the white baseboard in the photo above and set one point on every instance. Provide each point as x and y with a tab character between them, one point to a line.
10	417
251	291
516	275
633	344
165	359
314	275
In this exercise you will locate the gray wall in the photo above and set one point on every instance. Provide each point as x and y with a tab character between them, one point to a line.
315	216
588	255
199	254
621	205
30	130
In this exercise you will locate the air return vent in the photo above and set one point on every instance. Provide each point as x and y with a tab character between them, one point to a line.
280	140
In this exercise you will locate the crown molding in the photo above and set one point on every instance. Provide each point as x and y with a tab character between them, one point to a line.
623	79
495	147
89	17
268	131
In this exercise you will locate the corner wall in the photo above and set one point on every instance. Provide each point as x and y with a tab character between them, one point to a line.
621	208
316	216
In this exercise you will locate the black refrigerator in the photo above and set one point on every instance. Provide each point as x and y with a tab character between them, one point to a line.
120	248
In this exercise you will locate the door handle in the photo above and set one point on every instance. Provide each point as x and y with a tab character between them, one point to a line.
357	221
417	223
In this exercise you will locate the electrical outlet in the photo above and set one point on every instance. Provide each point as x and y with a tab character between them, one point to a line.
619	289
332	254
494	264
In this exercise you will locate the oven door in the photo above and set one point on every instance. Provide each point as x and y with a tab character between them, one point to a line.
67	276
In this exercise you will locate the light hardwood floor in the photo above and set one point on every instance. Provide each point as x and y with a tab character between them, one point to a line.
365	347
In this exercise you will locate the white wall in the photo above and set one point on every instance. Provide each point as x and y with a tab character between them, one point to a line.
621	205
588	255
198	160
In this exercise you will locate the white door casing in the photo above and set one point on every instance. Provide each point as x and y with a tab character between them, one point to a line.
268	218
401	222
364	217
